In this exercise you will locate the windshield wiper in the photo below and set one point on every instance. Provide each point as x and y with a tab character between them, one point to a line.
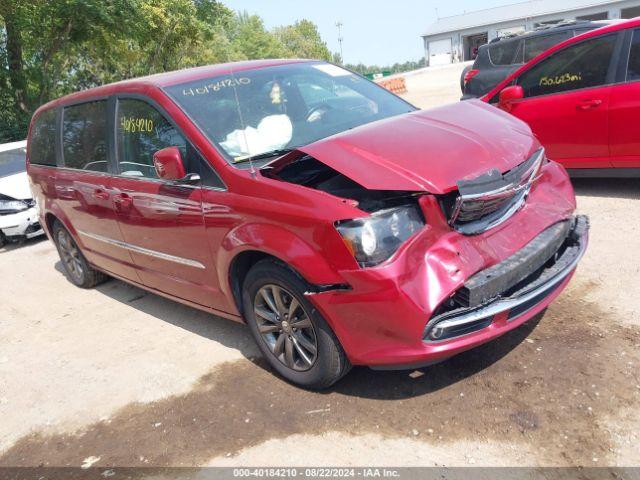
261	156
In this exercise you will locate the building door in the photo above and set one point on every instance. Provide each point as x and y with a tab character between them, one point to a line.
471	44
440	52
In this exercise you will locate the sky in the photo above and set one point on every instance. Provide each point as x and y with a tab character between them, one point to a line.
379	32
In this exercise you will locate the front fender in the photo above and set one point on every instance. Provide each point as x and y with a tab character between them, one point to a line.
280	243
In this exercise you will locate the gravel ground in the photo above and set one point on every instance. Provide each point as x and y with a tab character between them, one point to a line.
131	378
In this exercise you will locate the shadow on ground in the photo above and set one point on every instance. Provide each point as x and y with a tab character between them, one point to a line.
551	394
11	246
626	188
361	381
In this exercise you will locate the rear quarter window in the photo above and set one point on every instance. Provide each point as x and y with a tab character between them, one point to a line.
42	144
504	52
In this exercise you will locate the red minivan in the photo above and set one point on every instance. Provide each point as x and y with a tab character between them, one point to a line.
344	226
581	98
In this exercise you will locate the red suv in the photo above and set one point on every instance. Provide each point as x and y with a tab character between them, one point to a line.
581	98
340	223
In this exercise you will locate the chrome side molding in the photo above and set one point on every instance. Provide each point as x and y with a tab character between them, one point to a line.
144	251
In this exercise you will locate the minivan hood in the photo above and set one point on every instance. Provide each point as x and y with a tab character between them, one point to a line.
428	150
16	186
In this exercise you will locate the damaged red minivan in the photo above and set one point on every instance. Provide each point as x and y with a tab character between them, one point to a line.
344	226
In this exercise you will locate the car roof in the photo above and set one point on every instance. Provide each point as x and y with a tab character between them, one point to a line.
551	29
167	79
615	27
13	145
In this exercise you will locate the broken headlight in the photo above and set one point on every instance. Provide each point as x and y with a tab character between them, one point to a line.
12	206
374	239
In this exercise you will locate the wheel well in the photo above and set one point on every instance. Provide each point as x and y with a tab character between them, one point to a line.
49	219
241	265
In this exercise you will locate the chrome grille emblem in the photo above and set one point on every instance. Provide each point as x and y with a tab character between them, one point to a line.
491	199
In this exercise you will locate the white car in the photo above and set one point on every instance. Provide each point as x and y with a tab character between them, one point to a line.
18	210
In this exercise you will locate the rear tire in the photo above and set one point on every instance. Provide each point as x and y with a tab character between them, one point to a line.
290	332
73	261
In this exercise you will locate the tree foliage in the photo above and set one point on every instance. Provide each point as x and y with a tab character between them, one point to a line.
49	48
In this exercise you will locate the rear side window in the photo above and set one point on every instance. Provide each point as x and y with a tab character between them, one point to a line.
633	67
582	65
536	45
504	52
42	144
142	131
84	136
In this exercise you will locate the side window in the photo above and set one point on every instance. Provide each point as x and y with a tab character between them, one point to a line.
84	136
142	131
42	144
633	67
536	45
504	52
582	65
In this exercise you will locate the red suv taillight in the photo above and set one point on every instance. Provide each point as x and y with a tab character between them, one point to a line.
469	75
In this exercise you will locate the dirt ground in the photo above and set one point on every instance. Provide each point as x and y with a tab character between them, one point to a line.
121	377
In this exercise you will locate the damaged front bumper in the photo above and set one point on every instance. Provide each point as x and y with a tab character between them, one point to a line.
20	225
385	320
515	285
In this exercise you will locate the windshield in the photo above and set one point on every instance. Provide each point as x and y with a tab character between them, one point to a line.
272	109
13	161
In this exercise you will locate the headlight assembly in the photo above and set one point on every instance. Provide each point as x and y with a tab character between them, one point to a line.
12	206
374	239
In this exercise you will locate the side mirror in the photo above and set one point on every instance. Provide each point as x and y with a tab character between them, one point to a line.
509	95
168	164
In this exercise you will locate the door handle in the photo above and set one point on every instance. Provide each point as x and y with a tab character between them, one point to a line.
101	194
122	201
589	104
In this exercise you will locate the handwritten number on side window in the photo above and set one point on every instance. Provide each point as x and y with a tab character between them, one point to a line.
136	125
560	79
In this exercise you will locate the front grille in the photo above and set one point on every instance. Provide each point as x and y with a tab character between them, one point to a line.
490	199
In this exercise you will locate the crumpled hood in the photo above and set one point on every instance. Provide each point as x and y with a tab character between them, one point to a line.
16	186
428	150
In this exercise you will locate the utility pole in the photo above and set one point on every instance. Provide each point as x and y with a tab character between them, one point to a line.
339	25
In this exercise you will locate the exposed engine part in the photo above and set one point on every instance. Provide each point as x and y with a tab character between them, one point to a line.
311	173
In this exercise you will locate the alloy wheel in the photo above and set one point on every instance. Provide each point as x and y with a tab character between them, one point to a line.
285	327
70	255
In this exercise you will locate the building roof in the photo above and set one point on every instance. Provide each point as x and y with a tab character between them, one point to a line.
506	13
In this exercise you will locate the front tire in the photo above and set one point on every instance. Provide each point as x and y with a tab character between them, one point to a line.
73	261
290	332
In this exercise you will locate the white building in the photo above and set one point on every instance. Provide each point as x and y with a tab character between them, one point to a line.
454	38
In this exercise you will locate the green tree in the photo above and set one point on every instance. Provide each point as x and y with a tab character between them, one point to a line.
49	48
303	40
250	39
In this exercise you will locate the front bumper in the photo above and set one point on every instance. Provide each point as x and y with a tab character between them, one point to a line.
19	225
381	324
517	284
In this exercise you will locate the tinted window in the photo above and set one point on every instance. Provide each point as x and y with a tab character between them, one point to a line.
142	131
536	45
504	52
42	144
84	136
583	65
633	68
12	161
